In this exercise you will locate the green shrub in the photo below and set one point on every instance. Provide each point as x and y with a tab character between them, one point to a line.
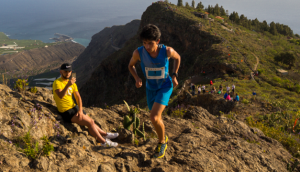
31	146
288	140
245	101
260	71
276	79
47	147
178	111
21	84
33	89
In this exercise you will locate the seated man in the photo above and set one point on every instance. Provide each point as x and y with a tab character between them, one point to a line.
63	88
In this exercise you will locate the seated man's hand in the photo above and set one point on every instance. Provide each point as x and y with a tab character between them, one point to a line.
80	115
72	81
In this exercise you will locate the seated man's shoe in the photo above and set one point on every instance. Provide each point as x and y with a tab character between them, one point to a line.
111	136
109	143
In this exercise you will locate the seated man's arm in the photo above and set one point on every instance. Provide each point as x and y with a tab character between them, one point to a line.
62	92
78	100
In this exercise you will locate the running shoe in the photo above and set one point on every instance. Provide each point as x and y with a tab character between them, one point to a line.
161	148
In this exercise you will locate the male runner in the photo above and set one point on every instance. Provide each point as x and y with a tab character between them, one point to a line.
154	58
63	88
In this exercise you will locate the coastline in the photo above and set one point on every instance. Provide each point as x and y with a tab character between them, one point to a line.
81	41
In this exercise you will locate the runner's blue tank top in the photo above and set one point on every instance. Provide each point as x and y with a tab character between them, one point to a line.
156	70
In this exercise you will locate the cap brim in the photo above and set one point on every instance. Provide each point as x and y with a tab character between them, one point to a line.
70	69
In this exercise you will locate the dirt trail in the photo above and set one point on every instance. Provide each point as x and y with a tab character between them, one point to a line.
257	62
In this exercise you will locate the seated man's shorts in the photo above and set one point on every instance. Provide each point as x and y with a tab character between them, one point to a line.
161	96
68	115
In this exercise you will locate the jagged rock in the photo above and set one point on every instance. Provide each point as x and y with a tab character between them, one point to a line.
125	136
106	168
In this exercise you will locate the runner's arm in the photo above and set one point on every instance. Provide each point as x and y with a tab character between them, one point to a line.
78	100
176	57
134	59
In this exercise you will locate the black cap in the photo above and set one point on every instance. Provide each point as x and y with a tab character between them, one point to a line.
66	67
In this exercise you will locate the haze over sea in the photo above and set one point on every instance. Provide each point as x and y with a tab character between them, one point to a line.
81	19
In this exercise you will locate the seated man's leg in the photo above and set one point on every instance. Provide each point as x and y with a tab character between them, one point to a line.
89	122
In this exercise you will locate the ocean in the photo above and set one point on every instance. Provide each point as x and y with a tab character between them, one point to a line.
80	19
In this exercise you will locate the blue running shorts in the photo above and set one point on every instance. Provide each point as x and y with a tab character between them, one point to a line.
161	96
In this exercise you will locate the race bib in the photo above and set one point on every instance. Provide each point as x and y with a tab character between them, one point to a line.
155	73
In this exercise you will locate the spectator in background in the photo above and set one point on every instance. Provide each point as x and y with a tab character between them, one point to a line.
193	89
237	98
199	89
221	88
228	89
228	97
225	95
233	88
254	93
213	90
211	83
203	89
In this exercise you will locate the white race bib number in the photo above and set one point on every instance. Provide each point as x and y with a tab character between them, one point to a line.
155	73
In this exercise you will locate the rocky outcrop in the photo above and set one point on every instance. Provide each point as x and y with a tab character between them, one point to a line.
198	142
103	44
40	58
112	76
213	103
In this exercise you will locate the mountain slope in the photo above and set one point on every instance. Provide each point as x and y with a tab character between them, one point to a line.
38	58
101	46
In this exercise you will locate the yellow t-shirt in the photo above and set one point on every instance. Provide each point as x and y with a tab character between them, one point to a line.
67	101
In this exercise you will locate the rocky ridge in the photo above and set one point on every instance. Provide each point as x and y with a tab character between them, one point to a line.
198	142
103	44
39	58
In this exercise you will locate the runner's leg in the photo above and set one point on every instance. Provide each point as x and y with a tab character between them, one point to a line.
155	116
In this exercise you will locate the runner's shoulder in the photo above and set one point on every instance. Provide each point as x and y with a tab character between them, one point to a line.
136	54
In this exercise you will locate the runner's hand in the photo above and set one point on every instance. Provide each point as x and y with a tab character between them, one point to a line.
174	80
138	83
71	81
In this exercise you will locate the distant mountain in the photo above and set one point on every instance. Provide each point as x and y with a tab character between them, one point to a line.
103	44
39	58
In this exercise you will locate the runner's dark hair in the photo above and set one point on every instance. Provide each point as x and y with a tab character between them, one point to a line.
150	32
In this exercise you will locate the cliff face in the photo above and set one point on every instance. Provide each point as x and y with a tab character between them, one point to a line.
41	57
102	45
111	81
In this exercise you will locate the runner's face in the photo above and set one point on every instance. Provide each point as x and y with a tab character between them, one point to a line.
65	74
150	46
